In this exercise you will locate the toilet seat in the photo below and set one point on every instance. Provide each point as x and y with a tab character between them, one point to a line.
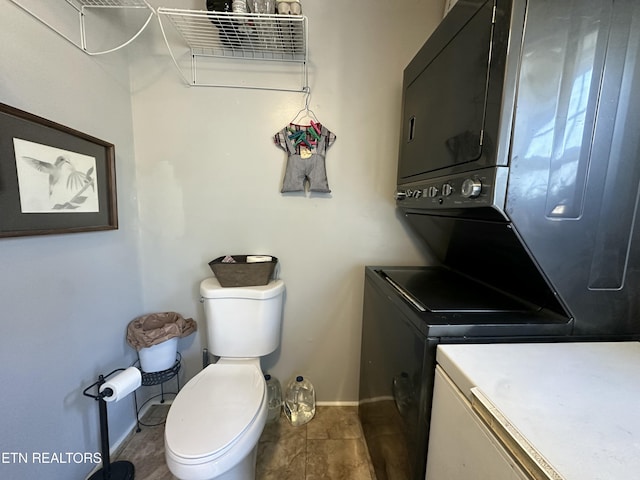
212	411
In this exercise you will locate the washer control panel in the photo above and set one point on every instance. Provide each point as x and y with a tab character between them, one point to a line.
475	189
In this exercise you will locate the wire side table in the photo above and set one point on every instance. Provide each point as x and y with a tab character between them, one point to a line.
157	378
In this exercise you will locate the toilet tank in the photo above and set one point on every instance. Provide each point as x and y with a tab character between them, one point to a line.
242	321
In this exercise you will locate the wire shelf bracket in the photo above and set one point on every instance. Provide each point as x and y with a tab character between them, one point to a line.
81	7
213	36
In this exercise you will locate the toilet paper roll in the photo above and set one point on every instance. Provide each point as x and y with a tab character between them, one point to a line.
258	258
122	384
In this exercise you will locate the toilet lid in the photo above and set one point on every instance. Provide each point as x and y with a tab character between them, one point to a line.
213	409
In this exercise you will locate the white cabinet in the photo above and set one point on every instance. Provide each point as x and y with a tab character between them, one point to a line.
461	447
562	411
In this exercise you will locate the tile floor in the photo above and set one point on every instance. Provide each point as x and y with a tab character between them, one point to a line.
330	447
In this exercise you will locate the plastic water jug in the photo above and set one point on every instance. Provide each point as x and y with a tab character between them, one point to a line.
274	397
300	401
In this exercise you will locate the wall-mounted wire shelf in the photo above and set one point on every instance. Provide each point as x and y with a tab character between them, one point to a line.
216	35
81	8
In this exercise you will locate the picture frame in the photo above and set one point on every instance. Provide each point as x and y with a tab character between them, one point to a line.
53	179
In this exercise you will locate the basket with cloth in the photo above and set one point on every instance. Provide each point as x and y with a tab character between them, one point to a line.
154	328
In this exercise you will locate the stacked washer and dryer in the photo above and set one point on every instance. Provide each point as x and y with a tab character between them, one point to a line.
519	166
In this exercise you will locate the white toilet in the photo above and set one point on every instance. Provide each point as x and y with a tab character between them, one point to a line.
215	421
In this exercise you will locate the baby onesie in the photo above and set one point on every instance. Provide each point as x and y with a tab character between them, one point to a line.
306	147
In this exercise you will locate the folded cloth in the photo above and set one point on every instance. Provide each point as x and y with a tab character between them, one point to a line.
154	328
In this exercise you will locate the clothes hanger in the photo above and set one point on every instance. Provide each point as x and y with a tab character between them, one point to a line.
306	134
308	113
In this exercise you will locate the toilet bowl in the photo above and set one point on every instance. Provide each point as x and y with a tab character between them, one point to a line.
215	421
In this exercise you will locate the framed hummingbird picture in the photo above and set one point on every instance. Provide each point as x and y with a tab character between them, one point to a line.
53	179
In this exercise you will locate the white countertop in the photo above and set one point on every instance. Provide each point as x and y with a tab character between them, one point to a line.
577	404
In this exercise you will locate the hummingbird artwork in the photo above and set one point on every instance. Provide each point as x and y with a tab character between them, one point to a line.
66	183
55	180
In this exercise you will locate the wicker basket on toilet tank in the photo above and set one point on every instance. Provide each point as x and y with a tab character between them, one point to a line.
243	273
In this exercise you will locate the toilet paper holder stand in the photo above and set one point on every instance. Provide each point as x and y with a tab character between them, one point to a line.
122	469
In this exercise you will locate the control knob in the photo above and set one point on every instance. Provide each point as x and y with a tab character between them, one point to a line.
471	188
447	189
400	195
432	192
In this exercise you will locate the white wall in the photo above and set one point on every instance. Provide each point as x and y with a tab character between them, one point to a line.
65	299
209	180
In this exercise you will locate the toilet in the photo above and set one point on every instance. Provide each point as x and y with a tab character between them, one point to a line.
215	421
